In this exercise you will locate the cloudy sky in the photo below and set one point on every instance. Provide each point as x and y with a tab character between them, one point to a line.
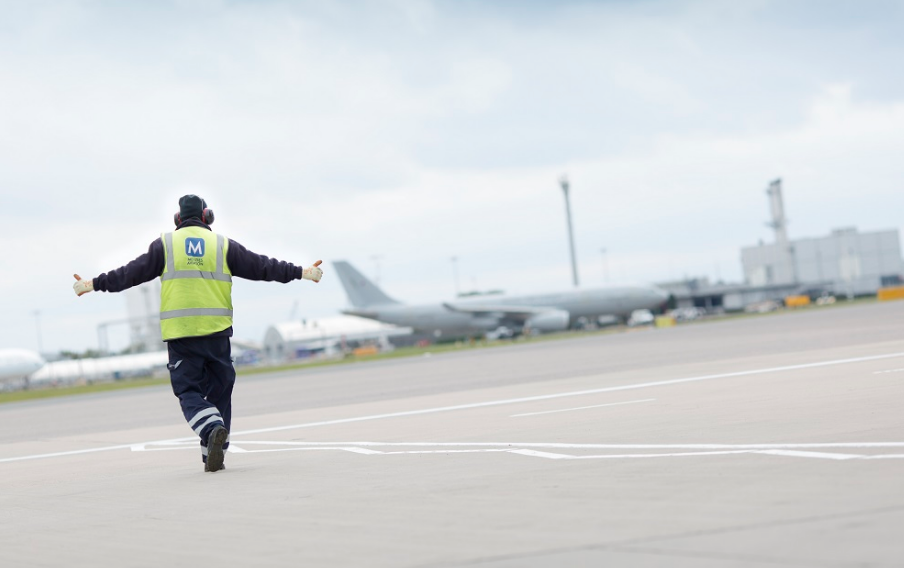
398	134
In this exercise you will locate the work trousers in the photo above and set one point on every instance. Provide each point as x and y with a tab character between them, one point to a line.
202	376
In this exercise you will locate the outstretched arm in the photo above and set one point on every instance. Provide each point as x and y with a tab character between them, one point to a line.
143	269
252	266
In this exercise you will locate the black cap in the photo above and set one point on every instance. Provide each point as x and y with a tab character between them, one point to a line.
191	206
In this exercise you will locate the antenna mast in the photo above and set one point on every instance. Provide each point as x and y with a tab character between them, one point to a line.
779	222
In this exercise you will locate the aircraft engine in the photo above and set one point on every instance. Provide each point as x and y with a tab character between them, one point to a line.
550	320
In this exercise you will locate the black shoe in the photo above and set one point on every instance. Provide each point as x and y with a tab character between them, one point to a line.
215	449
206	469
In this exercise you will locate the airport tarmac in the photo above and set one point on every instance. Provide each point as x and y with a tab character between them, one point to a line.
765	441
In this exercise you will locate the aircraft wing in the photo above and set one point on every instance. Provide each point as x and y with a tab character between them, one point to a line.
509	311
540	318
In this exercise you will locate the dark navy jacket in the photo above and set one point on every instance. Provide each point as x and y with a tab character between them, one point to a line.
242	262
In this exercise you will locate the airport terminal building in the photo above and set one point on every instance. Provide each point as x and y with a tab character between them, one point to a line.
846	262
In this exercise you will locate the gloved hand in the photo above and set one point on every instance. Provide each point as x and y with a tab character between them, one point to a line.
82	286
313	272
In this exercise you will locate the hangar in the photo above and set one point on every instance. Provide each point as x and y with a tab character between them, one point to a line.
327	336
844	263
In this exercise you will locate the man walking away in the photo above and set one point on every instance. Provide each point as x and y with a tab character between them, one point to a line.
196	267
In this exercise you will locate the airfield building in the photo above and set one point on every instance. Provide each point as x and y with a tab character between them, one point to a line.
845	262
328	336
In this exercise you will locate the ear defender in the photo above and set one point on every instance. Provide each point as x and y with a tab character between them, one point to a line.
207	216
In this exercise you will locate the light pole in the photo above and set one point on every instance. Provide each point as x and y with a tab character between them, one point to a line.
563	181
454	260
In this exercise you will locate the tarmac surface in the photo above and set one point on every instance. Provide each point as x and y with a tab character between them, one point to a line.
765	441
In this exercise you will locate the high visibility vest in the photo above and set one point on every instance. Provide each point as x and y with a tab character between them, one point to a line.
196	284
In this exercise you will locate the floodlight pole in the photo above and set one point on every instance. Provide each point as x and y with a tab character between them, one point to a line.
563	181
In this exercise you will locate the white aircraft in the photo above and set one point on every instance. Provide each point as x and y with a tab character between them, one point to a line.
18	365
541	312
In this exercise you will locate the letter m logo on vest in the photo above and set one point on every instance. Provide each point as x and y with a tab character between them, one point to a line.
194	247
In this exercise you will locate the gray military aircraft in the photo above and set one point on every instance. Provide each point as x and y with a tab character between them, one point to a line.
482	314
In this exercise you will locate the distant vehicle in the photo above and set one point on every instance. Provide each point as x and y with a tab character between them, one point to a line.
465	316
18	365
762	307
815	293
607	320
825	300
500	332
641	317
687	314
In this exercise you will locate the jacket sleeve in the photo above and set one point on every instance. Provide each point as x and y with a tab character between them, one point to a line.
252	266
143	269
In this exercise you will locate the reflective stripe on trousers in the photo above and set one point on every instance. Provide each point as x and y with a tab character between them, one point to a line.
201	415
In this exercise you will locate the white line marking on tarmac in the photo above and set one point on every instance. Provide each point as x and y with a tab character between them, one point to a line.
888	371
69	453
823	455
583	407
554	456
487	403
527	449
561	445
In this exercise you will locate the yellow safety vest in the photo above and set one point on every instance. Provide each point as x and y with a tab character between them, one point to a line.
196	284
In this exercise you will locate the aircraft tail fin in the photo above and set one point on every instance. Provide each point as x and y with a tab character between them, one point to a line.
362	293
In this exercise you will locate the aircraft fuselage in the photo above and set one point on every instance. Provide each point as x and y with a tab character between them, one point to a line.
619	301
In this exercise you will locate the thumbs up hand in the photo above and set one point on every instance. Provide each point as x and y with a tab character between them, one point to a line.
82	286
313	272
